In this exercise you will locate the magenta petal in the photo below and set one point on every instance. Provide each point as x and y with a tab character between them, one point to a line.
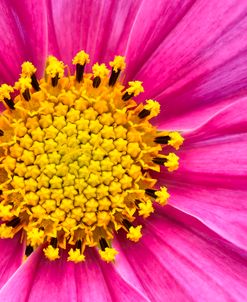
185	266
121	289
85	32
200	62
12	48
32	16
37	279
12	252
215	153
222	210
65	281
232	119
194	118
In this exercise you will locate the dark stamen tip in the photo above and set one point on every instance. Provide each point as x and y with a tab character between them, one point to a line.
127	224
114	76
10	103
26	94
79	72
35	82
96	82
162	139
159	161
144	113
53	242
54	81
29	250
78	244
1	132
14	222
151	192
1	192
127	96
103	244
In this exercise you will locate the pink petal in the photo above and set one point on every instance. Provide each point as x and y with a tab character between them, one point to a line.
31	19
222	162
222	210
175	263
12	50
121	289
65	281
85	33
114	28
154	22
223	137
232	119
202	61
194	118
211	182
12	252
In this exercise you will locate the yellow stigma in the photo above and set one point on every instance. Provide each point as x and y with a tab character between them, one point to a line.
76	256
23	84
108	254
81	58
162	196
51	253
118	63
77	155
54	67
134	233
5	91
135	88
172	162
100	70
27	69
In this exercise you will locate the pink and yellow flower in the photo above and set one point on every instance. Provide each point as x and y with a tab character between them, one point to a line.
83	143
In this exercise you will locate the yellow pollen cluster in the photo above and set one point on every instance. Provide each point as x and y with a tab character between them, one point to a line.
76	159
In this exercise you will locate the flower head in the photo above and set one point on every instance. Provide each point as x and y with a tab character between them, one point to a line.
157	232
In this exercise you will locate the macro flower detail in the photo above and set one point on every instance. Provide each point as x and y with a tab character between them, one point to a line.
76	156
186	239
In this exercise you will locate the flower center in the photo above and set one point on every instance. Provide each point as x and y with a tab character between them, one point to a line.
75	158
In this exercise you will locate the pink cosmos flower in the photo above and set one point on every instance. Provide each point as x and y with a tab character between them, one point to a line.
191	57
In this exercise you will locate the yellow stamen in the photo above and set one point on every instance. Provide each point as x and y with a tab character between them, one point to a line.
51	253
100	70
118	63
5	91
27	69
153	107
172	162
81	58
162	196
135	88
135	233
108	255
23	84
146	209
176	140
76	256
54	67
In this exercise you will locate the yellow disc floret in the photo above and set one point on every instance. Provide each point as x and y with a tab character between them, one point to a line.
77	155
